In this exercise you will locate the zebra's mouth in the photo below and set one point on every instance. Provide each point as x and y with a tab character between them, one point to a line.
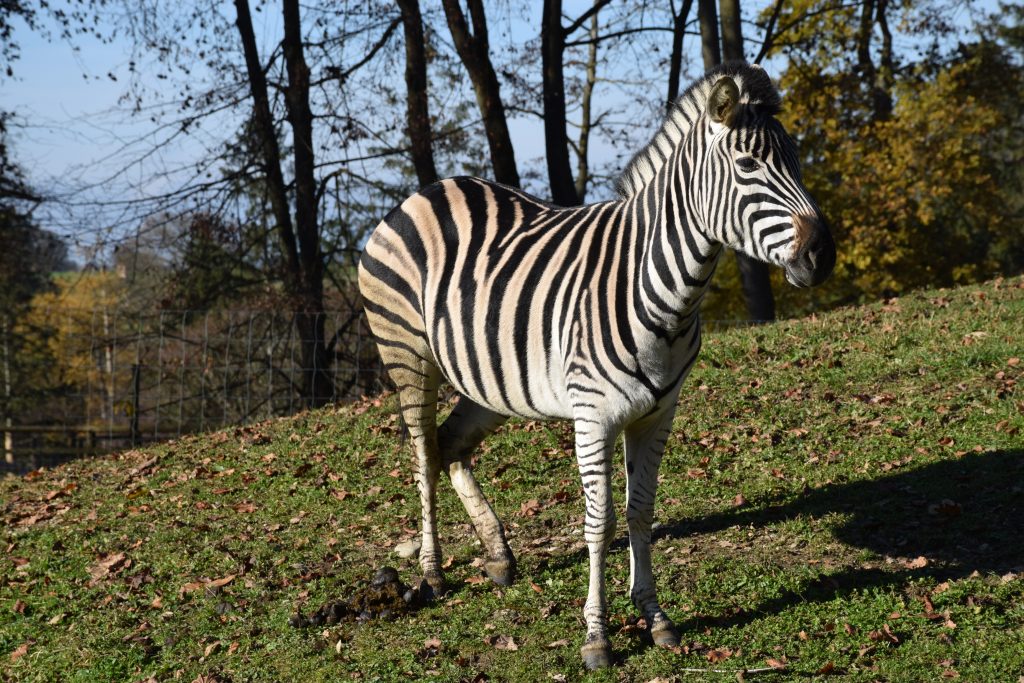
796	279
815	255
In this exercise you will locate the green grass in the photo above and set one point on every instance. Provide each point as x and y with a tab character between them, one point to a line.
842	495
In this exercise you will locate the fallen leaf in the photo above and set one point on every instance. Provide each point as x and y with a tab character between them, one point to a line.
884	634
110	563
19	606
19	652
719	655
919	562
530	508
558	643
206	585
502	642
802	635
826	669
739	500
777	664
431	647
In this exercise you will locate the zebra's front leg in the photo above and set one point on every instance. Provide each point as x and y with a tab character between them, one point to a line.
644	446
594	448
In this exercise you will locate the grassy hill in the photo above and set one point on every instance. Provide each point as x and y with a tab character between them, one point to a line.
843	497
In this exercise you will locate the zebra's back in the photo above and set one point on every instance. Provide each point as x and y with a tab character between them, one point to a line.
504	293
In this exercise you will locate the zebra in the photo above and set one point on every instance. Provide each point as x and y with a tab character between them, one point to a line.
589	314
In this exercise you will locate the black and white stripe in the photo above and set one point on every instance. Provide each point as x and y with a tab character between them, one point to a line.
589	314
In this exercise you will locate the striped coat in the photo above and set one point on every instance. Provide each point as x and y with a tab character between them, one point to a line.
589	314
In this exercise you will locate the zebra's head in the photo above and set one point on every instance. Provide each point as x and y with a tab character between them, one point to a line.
755	200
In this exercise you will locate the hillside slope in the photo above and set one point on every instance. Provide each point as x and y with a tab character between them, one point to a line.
843	496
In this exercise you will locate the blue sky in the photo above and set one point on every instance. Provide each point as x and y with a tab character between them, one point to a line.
71	128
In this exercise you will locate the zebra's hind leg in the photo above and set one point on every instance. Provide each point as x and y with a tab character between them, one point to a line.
462	431
417	381
644	446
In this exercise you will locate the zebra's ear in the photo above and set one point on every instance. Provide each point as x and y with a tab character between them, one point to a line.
723	102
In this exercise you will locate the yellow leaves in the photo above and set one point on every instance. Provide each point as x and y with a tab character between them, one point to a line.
915	199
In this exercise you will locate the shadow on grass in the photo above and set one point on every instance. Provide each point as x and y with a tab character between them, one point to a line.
962	515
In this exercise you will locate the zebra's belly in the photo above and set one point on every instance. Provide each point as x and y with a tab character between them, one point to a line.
533	389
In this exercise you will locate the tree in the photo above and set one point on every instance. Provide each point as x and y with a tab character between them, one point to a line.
754	275
299	241
417	110
915	158
474	50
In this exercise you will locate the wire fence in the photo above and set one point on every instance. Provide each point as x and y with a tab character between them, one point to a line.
89	381
85	381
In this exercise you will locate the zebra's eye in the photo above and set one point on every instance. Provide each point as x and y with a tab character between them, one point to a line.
747	164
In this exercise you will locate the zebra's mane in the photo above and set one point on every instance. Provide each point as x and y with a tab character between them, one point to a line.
756	90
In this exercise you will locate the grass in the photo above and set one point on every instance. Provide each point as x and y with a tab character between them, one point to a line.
842	499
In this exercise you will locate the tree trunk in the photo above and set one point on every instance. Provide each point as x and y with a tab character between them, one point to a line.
754	275
583	147
556	137
418	110
675	62
473	50
299	241
732	32
884	77
707	17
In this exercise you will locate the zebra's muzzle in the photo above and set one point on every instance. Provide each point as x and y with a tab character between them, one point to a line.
815	252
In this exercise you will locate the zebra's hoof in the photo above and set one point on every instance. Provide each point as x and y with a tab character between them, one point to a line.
664	634
597	654
501	572
431	586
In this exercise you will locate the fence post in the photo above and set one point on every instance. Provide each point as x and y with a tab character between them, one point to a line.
136	382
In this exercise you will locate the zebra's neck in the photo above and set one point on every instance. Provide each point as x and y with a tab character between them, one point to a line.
675	258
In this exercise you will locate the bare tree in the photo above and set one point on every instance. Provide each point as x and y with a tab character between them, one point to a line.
474	50
299	241
417	111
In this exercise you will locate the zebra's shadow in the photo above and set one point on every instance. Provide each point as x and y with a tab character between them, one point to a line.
962	515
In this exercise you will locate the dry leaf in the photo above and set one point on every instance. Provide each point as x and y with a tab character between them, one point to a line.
530	508
719	655
919	562
558	643
108	564
777	664
826	669
19	652
502	642
885	634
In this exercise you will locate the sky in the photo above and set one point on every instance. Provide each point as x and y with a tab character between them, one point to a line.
72	130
